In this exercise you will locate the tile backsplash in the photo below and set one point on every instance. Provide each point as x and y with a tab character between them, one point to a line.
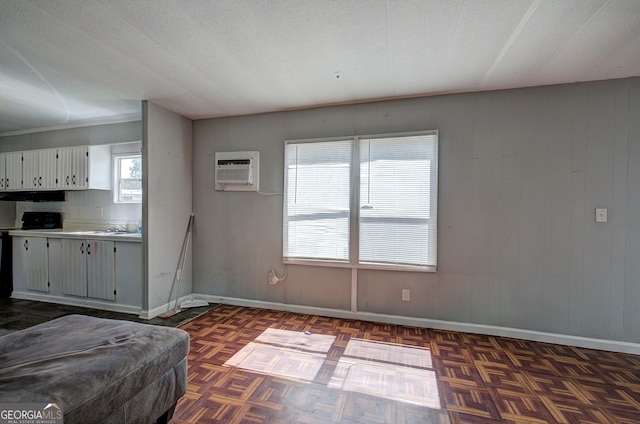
87	209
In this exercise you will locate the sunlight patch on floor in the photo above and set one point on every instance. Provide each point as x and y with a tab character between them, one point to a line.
396	372
392	371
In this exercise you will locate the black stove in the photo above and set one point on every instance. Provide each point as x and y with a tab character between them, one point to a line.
41	220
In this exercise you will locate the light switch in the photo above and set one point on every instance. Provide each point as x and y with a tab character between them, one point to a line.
601	215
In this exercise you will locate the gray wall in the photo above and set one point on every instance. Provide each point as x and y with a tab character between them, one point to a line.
521	173
90	135
166	205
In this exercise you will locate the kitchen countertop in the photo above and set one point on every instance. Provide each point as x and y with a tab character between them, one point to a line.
83	235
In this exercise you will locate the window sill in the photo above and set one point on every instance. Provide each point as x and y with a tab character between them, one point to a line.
365	266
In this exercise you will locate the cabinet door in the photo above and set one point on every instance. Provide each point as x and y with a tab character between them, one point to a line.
63	168
47	169
3	171
30	172
74	267
80	168
36	263
13	171
128	268
101	281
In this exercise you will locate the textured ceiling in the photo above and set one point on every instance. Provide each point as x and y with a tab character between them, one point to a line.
73	61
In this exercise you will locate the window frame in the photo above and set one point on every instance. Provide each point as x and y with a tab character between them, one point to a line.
354	261
117	180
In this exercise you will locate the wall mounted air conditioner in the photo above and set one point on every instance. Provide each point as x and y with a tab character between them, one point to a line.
237	171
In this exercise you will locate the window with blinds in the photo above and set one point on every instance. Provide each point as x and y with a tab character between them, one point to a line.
366	202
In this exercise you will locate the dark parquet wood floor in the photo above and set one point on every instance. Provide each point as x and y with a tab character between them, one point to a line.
251	365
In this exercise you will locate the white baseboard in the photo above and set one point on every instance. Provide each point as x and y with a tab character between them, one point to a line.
88	303
538	336
159	310
85	303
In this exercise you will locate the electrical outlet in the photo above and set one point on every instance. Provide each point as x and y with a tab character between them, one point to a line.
406	295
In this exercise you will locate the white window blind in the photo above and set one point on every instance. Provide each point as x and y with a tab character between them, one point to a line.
393	209
398	186
317	200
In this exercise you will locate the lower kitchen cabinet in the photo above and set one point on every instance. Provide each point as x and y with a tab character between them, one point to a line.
129	272
80	272
32	254
88	268
101	275
74	267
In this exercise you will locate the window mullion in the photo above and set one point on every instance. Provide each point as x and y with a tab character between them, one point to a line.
354	233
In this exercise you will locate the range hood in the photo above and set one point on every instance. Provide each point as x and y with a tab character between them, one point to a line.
33	196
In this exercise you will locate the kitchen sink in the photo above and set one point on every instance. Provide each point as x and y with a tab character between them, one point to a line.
104	233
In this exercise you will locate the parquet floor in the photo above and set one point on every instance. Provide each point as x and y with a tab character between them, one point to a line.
251	365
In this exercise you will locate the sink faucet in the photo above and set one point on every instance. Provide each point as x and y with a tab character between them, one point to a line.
118	229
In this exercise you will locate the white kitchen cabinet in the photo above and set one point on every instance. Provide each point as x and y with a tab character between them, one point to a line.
101	282
67	168
10	171
83	168
31	260
71	276
129	272
88	268
3	170
39	169
74	267
13	168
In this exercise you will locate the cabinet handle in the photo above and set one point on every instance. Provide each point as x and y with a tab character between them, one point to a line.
7	183
40	181
82	249
73	180
2	182
88	249
67	180
35	181
26	245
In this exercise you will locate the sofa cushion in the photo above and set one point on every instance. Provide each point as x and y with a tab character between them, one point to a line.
90	366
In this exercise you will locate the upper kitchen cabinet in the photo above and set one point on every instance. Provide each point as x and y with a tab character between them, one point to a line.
11	171
39	169
67	168
84	167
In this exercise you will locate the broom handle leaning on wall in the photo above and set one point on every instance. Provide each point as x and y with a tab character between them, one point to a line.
180	266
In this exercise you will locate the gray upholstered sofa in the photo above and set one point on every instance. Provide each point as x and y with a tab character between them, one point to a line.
97	370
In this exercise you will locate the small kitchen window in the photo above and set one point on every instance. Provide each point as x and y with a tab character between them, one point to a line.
127	169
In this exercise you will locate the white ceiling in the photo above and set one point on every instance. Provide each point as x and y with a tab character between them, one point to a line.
73	61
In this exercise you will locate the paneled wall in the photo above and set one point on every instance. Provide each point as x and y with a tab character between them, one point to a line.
166	204
521	174
90	135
